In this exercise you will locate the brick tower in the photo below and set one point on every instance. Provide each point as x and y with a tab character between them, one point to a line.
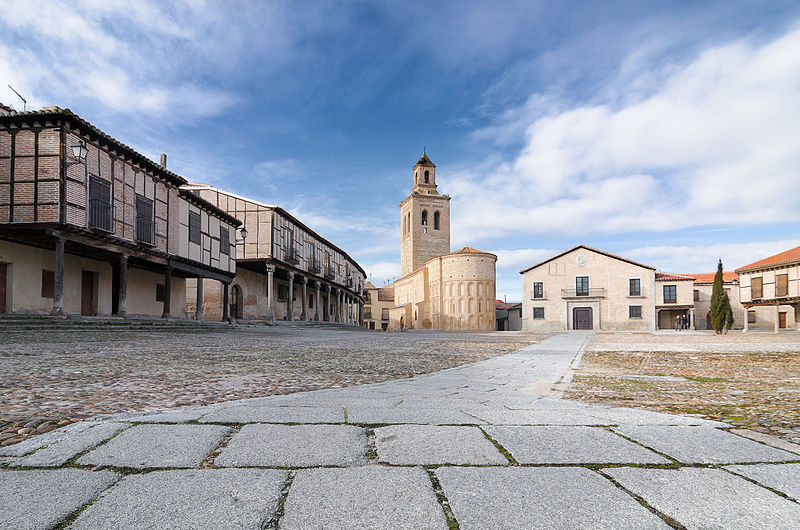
424	219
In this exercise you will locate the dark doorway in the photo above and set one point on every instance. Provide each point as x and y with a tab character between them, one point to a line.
3	283
782	320
87	293
582	318
236	302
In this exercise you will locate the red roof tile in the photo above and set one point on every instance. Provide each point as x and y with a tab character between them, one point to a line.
708	277
665	277
786	257
386	293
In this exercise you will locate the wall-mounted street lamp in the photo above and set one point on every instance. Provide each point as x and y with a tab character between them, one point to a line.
80	152
243	233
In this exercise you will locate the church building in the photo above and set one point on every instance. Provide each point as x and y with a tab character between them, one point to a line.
439	289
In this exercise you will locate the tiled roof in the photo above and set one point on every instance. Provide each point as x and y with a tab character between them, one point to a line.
548	260
386	293
425	161
500	305
469	250
708	277
786	257
369	285
665	277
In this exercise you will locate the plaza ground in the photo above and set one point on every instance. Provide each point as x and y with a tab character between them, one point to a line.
750	380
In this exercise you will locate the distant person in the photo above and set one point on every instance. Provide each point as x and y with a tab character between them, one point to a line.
677	323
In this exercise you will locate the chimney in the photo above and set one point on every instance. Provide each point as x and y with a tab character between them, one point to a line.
164	160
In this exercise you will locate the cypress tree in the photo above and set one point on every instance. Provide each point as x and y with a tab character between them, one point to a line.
721	312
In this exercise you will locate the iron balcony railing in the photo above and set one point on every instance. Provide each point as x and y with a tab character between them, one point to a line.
583	293
145	230
290	256
330	273
314	267
100	215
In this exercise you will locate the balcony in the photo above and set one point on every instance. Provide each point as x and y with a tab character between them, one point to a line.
100	215
290	256
330	274
145	230
314	267
598	292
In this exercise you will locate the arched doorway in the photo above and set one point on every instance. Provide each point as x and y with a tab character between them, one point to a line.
236	302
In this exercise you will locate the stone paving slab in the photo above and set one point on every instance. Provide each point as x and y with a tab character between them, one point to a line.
154	446
32	444
275	414
533	417
557	497
168	416
60	452
773	441
372	497
570	445
623	416
435	444
43	498
188	499
295	446
423	416
703	445
781	477
709	498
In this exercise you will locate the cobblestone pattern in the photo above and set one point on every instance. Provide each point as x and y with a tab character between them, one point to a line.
49	378
749	380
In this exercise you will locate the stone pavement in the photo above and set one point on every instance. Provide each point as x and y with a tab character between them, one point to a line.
486	445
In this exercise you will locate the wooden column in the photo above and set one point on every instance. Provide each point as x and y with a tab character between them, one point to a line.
58	278
198	309
304	314
123	285
167	292
225	286
316	315
290	298
270	294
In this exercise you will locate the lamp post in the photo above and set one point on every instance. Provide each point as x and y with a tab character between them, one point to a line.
79	151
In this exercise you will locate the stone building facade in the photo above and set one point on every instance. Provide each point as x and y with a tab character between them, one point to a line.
89	226
674	298
285	270
704	288
378	301
770	291
439	289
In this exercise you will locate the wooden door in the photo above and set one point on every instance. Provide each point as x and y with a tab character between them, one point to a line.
3	282
782	320
582	318
87	293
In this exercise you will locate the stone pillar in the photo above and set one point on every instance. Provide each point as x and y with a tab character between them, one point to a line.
691	320
777	317
339	306
58	278
225	286
316	315
270	294
797	317
198	310
290	298
346	311
326	311
746	319
167	291
123	285
304	314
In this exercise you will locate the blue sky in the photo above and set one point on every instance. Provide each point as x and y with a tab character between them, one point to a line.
663	131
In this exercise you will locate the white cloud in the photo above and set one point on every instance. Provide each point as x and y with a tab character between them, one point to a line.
520	258
715	144
382	272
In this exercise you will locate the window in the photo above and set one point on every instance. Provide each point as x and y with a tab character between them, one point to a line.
311	301
696	295
635	287
424	217
283	293
751	317
635	311
781	285
427	177
100	204
160	292
670	294
436	220
756	288
48	280
194	228
582	286
224	241
145	227
538	290
538	313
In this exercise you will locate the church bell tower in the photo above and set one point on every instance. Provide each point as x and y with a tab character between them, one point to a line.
424	219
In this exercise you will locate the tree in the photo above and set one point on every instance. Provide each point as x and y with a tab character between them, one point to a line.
721	312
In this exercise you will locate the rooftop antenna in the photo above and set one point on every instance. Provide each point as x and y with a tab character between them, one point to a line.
24	101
